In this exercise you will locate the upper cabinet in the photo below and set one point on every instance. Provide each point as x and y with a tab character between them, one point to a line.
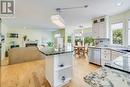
100	27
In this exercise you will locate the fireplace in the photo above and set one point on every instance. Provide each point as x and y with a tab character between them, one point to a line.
31	43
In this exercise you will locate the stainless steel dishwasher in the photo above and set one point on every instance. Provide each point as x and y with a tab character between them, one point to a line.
95	56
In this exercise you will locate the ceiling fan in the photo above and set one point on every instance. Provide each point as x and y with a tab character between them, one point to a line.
58	20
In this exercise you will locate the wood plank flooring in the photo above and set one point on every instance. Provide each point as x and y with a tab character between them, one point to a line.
31	74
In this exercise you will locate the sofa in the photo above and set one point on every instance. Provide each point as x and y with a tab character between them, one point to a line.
24	54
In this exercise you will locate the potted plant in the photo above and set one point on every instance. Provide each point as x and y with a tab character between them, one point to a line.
69	41
25	38
50	44
89	40
78	41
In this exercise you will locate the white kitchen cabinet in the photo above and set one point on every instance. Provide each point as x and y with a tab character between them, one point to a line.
109	55
100	27
59	69
102	55
105	56
115	54
95	29
102	30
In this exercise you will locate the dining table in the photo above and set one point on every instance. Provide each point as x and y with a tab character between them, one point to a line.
79	50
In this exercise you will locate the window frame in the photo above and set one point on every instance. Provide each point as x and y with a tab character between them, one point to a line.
128	27
128	24
111	34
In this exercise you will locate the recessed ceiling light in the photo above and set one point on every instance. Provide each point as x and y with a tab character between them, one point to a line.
119	3
24	27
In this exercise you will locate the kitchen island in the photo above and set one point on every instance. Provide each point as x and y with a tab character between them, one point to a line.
58	66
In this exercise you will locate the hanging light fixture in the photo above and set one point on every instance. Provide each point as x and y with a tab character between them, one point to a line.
58	20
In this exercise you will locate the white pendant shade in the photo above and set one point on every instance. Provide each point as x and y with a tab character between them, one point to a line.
58	20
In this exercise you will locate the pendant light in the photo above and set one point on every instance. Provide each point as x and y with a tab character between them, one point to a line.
58	20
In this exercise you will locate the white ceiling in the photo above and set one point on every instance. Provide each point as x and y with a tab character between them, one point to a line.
36	13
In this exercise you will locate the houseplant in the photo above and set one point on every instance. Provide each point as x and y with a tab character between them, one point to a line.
25	38
78	41
69	39
50	44
89	40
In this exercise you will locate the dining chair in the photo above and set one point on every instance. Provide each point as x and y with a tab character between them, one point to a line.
76	50
83	51
86	49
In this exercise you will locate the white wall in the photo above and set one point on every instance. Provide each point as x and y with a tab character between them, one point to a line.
3	32
42	36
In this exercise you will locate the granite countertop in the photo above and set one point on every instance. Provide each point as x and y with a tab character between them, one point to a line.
110	48
121	63
53	51
107	77
113	73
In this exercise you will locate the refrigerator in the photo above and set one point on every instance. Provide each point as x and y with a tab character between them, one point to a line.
59	43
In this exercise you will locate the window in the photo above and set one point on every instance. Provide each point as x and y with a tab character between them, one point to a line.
57	35
117	34
129	32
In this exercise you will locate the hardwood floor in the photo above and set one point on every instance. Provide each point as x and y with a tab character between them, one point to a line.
31	74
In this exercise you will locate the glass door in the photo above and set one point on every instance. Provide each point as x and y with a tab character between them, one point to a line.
0	40
128	32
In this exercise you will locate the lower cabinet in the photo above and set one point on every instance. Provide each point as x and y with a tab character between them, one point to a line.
109	55
115	54
105	56
62	77
101	56
59	69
